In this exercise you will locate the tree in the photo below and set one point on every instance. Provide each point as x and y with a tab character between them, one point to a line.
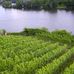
7	4
19	3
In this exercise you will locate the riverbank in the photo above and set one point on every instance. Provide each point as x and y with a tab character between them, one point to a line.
61	36
38	5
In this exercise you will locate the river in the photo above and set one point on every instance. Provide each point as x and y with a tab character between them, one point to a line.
14	20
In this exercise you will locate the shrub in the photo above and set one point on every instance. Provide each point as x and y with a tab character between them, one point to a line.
34	32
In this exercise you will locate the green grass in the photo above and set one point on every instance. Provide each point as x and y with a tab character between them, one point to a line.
30	55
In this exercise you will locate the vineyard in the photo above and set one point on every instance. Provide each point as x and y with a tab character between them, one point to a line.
29	55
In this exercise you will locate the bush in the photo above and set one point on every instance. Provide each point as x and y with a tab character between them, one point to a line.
34	32
61	36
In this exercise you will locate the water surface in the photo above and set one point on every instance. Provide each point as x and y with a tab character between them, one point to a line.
13	20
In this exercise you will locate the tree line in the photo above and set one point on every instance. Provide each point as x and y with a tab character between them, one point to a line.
41	4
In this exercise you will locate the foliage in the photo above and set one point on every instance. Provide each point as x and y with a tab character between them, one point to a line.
34	32
30	55
7	4
41	4
61	36
46	4
18	3
69	70
53	68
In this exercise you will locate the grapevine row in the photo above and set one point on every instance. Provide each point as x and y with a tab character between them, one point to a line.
70	69
52	68
31	66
